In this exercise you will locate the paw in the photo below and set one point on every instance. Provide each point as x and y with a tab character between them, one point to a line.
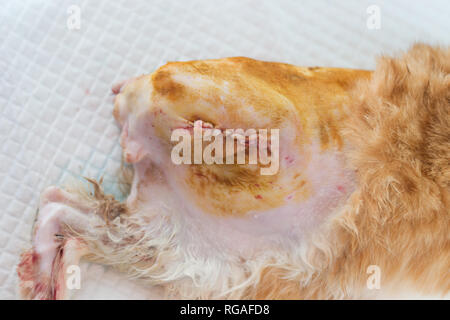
31	286
42	269
38	284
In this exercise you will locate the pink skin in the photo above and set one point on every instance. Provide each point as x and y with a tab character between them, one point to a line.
117	88
132	151
48	284
42	270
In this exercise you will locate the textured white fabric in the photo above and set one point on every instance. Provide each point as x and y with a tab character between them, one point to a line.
55	100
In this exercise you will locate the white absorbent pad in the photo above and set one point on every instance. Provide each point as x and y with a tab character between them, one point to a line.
55	80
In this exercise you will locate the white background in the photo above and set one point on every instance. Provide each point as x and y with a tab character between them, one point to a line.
55	101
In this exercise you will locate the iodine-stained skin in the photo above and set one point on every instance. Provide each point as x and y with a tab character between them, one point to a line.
238	207
350	176
306	104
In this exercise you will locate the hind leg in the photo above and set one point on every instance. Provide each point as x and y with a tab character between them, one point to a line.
65	220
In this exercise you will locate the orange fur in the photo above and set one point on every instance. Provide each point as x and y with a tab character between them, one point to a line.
399	130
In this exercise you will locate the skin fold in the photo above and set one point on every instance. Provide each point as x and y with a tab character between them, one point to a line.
363	184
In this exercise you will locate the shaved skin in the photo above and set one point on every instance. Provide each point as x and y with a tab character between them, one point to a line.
234	206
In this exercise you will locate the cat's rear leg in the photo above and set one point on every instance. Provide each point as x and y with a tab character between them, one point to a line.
66	222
